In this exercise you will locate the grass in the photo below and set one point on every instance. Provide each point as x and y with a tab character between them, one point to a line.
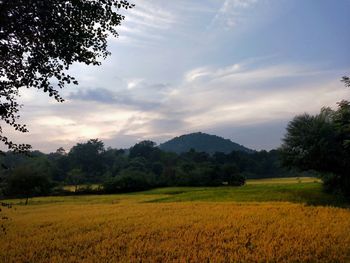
305	190
307	193
286	180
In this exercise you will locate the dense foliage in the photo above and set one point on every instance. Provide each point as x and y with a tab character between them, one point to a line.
27	181
321	142
40	40
143	166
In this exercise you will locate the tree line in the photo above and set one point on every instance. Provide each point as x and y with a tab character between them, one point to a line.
141	167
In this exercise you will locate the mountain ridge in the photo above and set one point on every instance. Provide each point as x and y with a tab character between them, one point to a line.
202	142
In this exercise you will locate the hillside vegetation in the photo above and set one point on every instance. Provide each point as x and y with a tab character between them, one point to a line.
202	142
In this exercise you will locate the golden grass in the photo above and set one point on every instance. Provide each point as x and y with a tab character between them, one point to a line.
129	230
71	188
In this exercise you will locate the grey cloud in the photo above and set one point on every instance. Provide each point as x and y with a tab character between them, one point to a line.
97	94
105	96
121	141
167	125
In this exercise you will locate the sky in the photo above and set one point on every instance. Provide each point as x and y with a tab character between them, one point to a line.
240	69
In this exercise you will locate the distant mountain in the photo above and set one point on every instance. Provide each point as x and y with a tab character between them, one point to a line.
202	142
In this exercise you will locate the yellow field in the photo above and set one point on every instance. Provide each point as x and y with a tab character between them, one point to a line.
131	230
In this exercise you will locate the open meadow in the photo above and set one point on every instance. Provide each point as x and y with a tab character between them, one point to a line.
275	220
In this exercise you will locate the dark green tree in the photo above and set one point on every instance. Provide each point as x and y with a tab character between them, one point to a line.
128	181
41	39
27	182
310	142
75	177
322	143
230	174
89	158
145	149
60	164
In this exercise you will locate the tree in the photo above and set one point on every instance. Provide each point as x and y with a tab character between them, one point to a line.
26	181
75	177
89	158
341	119
61	151
128	181
231	175
310	142
41	39
145	149
322	143
346	81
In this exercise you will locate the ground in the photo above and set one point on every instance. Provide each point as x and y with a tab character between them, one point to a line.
286	220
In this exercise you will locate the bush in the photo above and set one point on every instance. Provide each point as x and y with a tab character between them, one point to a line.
336	184
231	175
128	181
236	180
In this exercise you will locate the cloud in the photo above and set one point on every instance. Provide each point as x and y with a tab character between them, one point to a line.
243	95
194	74
230	13
236	96
211	72
135	92
145	24
97	94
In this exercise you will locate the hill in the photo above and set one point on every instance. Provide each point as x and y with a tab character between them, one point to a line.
202	142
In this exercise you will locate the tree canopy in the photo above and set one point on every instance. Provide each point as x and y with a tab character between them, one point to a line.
321	142
41	39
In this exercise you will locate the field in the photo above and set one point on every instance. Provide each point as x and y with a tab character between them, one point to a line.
264	221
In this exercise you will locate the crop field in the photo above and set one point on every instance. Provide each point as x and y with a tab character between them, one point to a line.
260	222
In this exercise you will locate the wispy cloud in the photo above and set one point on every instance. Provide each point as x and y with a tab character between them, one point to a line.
245	95
145	24
230	13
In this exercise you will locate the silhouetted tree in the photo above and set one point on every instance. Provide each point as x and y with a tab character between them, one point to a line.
40	40
89	158
75	177
310	142
145	149
321	143
128	181
26	181
346	81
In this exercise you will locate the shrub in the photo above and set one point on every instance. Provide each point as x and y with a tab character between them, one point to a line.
128	181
